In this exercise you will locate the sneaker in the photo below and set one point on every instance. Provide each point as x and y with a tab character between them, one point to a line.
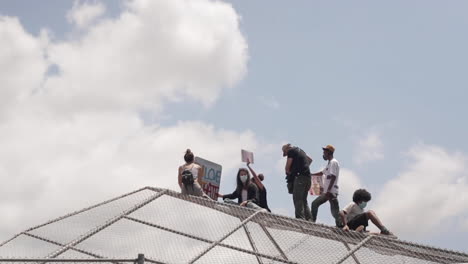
386	232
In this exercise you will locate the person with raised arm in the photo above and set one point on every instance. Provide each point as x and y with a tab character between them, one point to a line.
246	191
262	192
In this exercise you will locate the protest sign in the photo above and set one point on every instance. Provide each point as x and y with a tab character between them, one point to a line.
247	156
211	176
317	185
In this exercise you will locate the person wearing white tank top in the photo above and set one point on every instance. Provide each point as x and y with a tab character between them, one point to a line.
195	169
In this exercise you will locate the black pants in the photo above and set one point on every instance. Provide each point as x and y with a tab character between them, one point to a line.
301	189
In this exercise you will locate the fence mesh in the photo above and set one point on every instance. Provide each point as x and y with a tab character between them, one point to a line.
168	227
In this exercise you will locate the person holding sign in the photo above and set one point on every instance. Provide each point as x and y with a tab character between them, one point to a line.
262	192
298	179
188	179
246	191
330	193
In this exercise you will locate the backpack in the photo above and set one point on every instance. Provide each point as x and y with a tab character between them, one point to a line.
187	178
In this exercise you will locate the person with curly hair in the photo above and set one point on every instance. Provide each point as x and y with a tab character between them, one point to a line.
355	218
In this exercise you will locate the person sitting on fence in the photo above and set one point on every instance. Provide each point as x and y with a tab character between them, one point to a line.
189	181
355	218
246	191
262	192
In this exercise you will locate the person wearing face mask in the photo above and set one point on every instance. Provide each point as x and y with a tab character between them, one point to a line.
331	174
246	191
355	218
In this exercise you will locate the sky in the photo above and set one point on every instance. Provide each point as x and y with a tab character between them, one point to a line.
99	98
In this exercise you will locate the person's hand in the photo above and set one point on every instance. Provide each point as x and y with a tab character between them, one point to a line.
219	195
346	228
248	162
244	203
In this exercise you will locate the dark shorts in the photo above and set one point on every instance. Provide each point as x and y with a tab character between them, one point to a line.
360	219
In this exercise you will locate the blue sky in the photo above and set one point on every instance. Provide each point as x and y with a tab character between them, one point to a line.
384	82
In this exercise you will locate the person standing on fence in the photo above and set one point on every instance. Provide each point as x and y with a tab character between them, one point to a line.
355	218
298	179
331	174
188	179
262	192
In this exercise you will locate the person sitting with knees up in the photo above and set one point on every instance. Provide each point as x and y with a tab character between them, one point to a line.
355	218
246	191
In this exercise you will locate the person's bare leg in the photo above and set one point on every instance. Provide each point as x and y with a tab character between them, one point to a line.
359	228
376	221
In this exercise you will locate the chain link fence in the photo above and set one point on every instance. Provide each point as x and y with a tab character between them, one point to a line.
168	227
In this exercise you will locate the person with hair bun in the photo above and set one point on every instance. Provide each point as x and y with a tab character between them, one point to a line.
188	179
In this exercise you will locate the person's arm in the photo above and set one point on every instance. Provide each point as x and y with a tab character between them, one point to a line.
317	174
333	172
180	177
344	221
255	177
200	174
343	214
287	168
233	195
332	182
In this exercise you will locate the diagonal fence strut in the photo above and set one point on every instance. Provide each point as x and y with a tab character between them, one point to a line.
106	224
210	241
252	243
356	248
214	244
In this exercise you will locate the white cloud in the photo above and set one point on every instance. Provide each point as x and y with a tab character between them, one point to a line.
21	55
85	13
154	52
427	194
269	102
369	148
349	182
76	137
464	224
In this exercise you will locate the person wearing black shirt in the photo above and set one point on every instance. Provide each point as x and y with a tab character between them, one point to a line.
246	191
257	179
298	178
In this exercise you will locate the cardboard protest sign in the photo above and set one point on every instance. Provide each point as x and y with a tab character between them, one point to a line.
211	176
247	156
317	185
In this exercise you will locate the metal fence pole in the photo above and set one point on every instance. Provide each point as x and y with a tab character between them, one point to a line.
141	259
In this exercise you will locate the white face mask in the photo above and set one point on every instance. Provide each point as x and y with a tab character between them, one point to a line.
244	178
363	205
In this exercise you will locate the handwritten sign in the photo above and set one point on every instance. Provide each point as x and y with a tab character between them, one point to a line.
317	185
211	176
247	156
